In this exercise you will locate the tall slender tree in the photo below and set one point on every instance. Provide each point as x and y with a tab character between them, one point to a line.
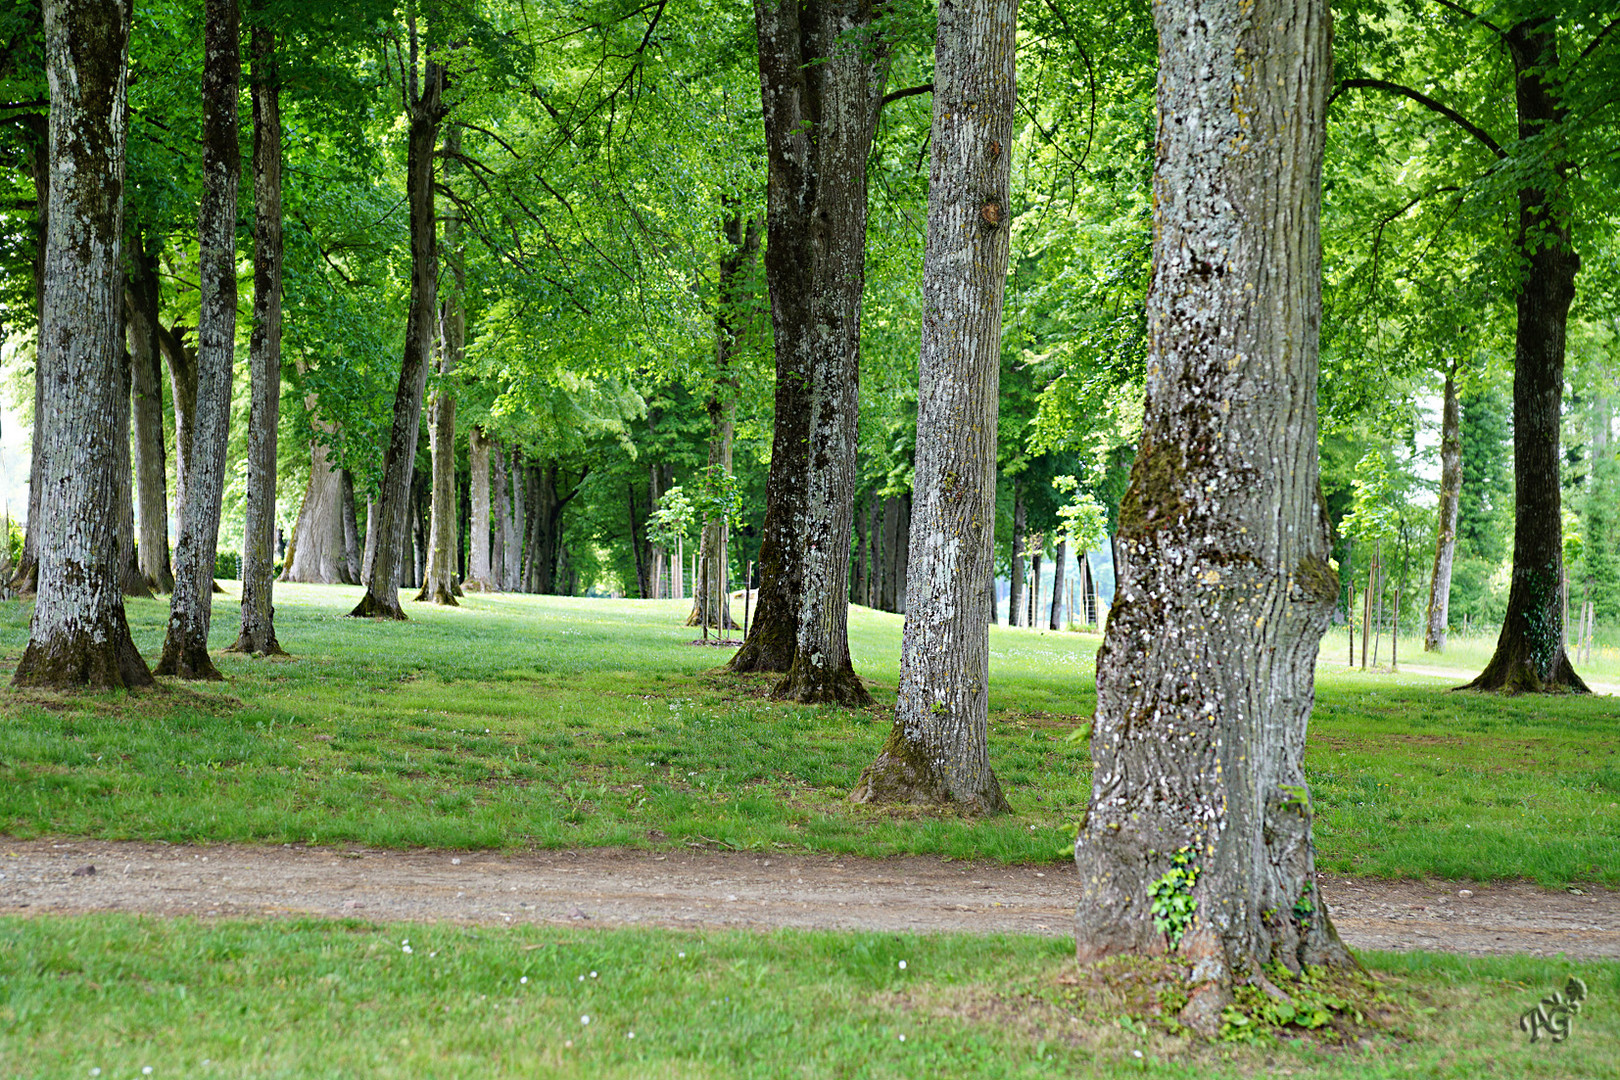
185	646
258	633
422	92
938	749
1205	678
439	579
79	635
1445	540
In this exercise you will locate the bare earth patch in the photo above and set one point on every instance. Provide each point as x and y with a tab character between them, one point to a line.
704	889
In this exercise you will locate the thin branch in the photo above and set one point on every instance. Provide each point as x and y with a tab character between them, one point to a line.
1471	17
1595	42
1427	102
910	91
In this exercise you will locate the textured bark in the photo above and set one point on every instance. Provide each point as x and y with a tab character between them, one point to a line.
182	363
36	134
506	538
514	519
370	557
822	71
258	632
938	751
132	581
863	535
1015	581
425	113
79	636
1445	544
888	590
1530	654
185	646
316	554
1037	546
439	575
1059	568
351	532
1205	680
480	576
151	479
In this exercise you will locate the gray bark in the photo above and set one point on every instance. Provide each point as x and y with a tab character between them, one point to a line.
425	112
317	552
501	510
129	565
1199	736
822	65
1015	580
1059	568
79	636
937	751
480	576
258	632
185	646
888	590
439	575
1445	545
151	479
513	520
351	532
369	559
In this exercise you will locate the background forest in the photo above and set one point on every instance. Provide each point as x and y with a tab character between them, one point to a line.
600	182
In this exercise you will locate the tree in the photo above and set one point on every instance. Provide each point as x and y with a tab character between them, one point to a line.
79	636
423	96
1445	540
823	65
1204	681
938	751
151	479
439	581
185	646
258	633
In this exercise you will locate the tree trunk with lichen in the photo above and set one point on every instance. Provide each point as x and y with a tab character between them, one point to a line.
79	636
1205	679
439	576
822	71
185	645
1530	655
129	565
257	635
1445	543
480	574
146	388
937	752
392	520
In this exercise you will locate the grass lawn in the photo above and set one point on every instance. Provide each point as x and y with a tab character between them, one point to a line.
518	721
348	999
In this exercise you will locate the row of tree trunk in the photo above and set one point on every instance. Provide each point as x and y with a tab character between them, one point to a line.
882	544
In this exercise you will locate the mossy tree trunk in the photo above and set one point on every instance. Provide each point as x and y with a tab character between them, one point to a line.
257	635
1205	678
425	111
79	636
822	71
185	646
1530	654
938	751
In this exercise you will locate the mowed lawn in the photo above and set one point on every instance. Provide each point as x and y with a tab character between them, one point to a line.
520	721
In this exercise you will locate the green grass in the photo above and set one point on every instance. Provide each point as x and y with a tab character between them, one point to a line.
519	721
343	999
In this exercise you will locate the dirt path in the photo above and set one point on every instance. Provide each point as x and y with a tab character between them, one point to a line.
708	889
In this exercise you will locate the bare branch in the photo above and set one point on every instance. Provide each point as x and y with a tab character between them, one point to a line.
1427	102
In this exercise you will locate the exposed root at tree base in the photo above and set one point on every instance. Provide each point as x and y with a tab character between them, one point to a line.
253	646
809	685
109	664
186	662
440	595
370	607
898	778
1510	673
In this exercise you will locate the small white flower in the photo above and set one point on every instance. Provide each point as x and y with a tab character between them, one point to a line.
681	955
631	1035
568	1044
431	955
585	1019
902	1038
593	974
582	978
96	1071
902	965
1137	1053
406	950
524	979
455	862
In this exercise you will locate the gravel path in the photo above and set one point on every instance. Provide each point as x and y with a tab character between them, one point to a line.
693	889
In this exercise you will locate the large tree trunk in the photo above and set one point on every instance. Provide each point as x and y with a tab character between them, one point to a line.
258	633
1199	737
185	646
182	362
1445	544
350	569
1530	655
480	577
439	576
317	552
938	751
426	111
151	480
505	539
888	593
1015	581
79	636
822	71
